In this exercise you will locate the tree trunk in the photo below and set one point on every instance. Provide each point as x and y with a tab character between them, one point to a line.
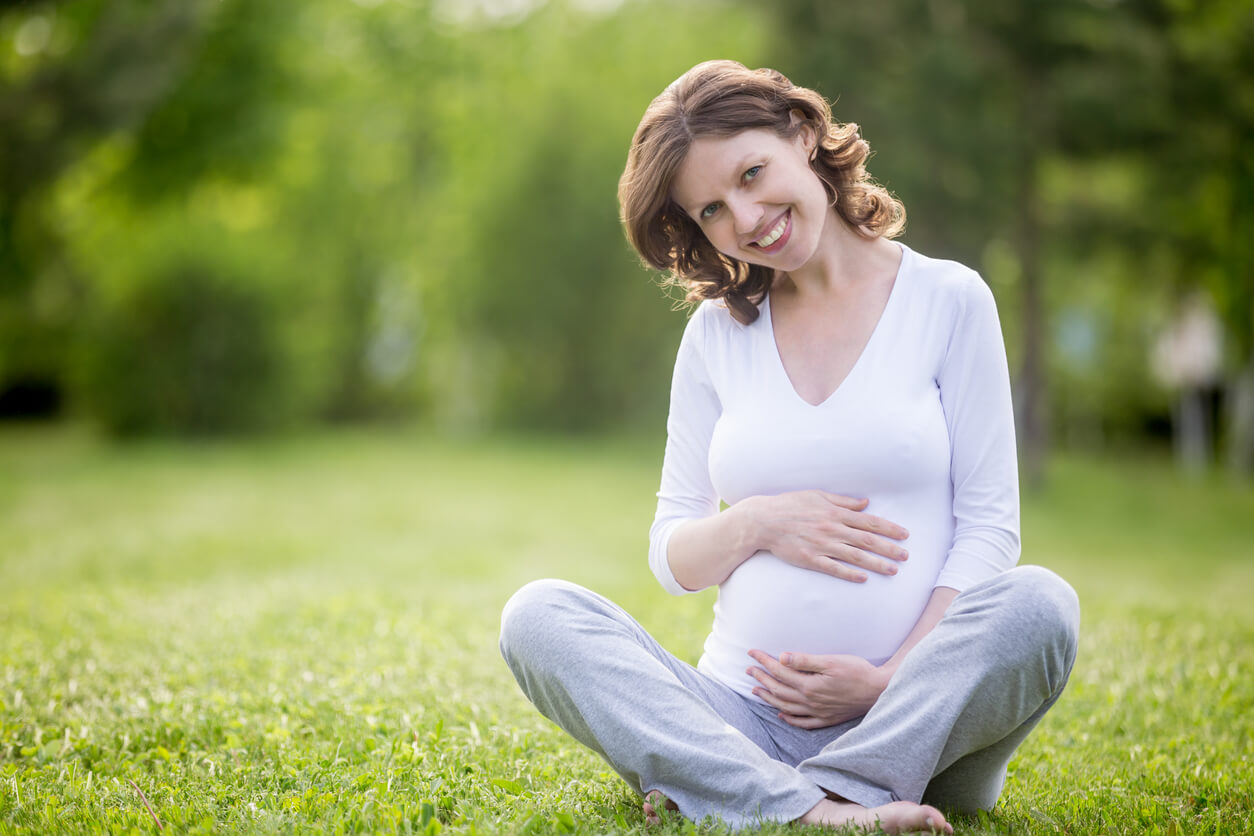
1191	436
1032	407
1241	423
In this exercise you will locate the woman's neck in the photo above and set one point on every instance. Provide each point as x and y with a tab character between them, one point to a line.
844	260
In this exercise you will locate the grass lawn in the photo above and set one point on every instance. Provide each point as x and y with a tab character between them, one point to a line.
299	635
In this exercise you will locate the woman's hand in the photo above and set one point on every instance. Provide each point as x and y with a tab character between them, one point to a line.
812	691
816	530
828	533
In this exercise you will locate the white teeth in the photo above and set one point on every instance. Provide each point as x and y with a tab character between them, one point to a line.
773	236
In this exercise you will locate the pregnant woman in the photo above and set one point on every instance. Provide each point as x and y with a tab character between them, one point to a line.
847	398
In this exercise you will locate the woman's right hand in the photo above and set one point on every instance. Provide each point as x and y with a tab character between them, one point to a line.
827	533
824	532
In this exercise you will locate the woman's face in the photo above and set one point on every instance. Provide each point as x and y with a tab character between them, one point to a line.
755	196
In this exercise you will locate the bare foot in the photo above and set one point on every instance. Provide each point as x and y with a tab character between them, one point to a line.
897	817
651	816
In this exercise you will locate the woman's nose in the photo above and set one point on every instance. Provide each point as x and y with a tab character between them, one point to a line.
747	215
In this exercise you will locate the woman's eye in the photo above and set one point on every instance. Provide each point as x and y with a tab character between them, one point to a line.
708	212
753	172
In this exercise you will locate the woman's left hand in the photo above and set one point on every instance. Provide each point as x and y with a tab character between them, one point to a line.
812	691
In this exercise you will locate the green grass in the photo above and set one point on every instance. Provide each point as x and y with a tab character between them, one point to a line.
300	636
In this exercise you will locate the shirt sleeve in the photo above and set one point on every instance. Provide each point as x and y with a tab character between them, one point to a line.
686	491
975	394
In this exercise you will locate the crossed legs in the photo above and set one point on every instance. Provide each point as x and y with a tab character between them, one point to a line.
963	699
946	726
590	668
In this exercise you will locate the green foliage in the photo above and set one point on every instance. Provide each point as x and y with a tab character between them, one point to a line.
432	201
299	635
558	326
222	114
71	76
428	192
189	352
1046	145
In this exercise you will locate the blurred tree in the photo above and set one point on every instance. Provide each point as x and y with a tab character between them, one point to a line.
221	115
423	193
1201	177
975	106
78	72
554	324
959	102
1164	169
426	195
244	155
186	352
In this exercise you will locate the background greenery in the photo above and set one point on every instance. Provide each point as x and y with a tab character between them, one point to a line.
300	636
387	209
239	221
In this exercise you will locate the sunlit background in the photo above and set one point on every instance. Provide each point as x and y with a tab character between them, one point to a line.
319	337
226	217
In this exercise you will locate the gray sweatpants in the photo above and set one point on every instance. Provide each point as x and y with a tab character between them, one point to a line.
943	731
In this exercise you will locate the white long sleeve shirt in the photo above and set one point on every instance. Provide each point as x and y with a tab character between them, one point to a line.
922	426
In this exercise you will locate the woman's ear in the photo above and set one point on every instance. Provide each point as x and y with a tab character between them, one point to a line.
806	135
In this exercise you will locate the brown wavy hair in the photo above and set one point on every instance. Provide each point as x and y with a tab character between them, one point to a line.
722	98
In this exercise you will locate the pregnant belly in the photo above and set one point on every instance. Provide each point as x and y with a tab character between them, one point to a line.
774	606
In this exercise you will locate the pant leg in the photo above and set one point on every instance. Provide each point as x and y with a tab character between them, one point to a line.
963	699
593	670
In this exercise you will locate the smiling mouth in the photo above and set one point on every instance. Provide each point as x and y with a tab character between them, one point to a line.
774	233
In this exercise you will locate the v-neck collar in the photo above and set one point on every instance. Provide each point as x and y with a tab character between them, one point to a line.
888	307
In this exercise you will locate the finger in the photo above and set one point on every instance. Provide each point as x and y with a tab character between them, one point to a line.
779	689
872	523
764	679
803	721
785	706
776	668
853	503
876	544
804	663
861	559
829	565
